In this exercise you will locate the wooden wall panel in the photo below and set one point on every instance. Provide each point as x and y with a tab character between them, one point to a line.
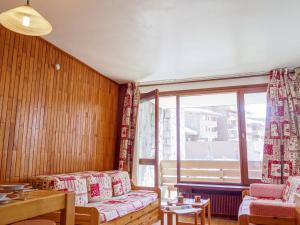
52	121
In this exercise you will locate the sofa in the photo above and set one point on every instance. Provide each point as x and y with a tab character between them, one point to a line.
270	203
106	197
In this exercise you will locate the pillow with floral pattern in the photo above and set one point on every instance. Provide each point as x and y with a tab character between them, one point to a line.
121	183
99	187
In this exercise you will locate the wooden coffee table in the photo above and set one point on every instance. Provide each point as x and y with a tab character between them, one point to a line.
195	212
204	205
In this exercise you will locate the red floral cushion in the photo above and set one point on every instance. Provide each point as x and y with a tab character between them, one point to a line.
64	182
99	187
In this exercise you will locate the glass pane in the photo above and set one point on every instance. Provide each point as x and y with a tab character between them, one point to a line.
209	138
145	176
146	130
255	115
167	128
167	146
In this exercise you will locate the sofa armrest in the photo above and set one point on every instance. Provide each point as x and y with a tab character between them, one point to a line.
245	193
267	190
84	214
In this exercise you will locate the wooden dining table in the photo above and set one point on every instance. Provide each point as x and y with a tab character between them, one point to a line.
38	203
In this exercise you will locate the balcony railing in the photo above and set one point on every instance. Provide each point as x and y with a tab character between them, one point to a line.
212	171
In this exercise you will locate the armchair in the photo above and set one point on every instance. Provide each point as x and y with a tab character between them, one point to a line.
267	204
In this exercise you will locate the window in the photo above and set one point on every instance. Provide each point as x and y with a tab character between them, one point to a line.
209	150
210	136
221	135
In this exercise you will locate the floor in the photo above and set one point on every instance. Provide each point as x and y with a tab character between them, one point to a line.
217	221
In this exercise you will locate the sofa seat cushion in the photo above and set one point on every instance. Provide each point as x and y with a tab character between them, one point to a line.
245	205
122	205
267	207
273	208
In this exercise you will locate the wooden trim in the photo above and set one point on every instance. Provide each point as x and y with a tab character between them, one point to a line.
143	161
245	193
246	88
211	187
242	137
178	138
211	183
250	181
156	169
245	76
149	95
256	89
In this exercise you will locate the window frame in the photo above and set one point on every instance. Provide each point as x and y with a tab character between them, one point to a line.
240	92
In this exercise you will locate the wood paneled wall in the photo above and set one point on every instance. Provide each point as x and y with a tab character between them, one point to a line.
52	121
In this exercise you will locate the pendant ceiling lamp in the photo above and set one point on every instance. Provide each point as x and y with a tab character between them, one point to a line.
25	20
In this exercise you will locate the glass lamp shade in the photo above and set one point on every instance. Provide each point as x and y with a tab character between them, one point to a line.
25	20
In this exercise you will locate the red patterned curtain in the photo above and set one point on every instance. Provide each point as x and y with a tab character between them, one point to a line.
129	119
281	149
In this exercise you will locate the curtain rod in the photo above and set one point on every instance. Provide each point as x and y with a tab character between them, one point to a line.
209	78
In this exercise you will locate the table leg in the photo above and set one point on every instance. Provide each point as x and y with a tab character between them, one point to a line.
196	218
170	218
68	213
203	216
209	213
177	219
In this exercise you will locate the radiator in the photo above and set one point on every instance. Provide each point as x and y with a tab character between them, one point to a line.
222	204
